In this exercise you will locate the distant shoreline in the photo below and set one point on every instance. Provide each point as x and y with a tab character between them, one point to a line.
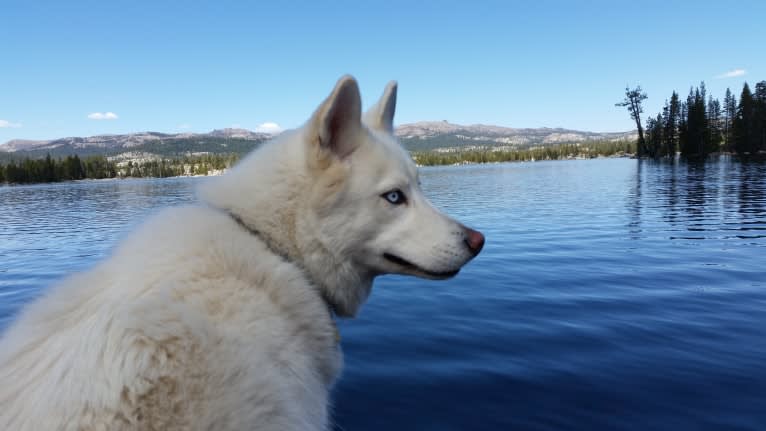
431	159
573	151
124	178
217	173
72	168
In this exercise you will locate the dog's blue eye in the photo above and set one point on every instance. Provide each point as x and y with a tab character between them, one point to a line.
395	197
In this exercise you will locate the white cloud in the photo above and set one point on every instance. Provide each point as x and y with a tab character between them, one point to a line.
732	73
184	126
270	128
7	124
103	116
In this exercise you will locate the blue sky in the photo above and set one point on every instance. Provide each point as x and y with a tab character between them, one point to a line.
195	66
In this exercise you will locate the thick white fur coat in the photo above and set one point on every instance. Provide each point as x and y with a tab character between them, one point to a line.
192	324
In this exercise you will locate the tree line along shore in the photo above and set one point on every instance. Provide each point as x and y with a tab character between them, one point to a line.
73	167
579	150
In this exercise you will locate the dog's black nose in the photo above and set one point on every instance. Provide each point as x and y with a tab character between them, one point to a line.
474	240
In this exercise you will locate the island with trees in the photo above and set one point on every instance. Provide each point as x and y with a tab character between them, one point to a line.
701	125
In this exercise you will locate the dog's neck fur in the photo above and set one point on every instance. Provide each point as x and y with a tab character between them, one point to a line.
275	248
256	233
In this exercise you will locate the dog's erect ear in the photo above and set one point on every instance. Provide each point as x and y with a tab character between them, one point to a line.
381	115
335	124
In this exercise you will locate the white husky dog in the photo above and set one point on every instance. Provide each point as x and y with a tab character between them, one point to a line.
218	316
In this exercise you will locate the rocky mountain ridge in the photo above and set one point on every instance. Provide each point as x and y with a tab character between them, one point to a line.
442	134
420	136
125	141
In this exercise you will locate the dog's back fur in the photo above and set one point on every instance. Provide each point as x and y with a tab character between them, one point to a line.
219	315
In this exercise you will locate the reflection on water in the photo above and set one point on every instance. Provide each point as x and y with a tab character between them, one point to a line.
611	294
720	198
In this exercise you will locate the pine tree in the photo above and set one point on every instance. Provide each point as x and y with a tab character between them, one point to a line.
694	130
632	101
665	144
701	120
743	123
686	126
79	168
715	126
729	113
670	132
654	127
49	169
759	117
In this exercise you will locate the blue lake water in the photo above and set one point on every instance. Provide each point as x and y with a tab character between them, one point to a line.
611	294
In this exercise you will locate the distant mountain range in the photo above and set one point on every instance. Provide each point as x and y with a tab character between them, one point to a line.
153	142
430	135
421	136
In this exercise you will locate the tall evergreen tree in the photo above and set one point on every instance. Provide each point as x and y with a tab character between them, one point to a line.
687	125
632	101
703	126
49	170
654	128
715	126
729	113
671	115
665	145
745	141
759	115
695	134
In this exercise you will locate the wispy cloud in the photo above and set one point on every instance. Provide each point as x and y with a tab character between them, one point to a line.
732	74
103	116
184	126
7	124
270	128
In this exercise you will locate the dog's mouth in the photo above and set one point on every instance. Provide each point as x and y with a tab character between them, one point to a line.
417	270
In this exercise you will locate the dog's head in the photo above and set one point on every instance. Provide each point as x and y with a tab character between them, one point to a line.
368	206
345	202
